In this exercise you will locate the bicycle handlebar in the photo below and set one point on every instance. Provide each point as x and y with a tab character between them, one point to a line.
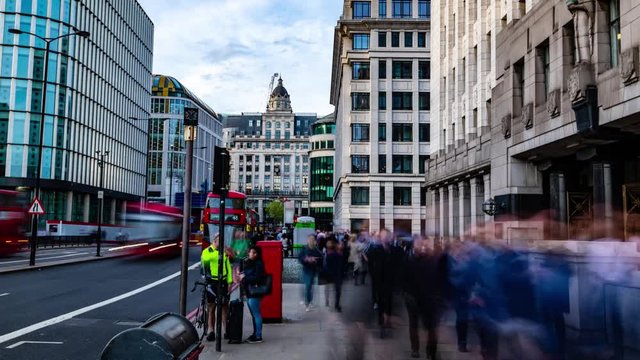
195	285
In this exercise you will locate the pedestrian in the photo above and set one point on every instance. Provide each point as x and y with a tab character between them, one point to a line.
333	270
311	259
387	261
209	259
253	275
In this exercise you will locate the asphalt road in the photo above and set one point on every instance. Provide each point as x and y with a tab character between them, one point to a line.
45	256
27	299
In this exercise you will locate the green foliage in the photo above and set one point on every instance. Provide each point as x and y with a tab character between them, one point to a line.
275	210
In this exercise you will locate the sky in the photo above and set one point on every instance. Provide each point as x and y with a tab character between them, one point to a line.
226	51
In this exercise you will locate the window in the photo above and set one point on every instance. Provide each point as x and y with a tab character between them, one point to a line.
360	41
424	70
360	132
382	202
382	164
424	9
382	39
422	166
395	39
360	195
614	31
382	69
401	196
361	9
401	101
408	39
401	8
402	69
360	70
382	132
518	87
402	132
359	101
422	39
382	100
382	8
402	164
424	101
360	164
424	132
542	53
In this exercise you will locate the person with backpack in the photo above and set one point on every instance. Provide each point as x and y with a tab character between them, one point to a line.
254	275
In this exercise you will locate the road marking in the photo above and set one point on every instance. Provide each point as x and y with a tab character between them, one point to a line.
5	294
40	259
67	316
34	342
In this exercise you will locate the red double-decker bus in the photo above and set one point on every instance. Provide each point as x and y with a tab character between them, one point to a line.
252	222
235	216
13	222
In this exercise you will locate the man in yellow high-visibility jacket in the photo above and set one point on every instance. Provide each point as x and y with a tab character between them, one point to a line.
209	260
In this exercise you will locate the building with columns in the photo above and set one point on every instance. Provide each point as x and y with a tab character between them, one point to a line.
464	61
270	154
380	85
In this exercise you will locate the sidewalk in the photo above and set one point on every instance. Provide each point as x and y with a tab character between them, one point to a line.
323	334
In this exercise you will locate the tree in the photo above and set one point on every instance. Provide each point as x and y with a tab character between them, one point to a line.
275	210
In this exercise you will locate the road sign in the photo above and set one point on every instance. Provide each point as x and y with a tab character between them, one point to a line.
190	116
36	208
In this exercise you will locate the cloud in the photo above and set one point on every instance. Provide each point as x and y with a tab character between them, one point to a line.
225	51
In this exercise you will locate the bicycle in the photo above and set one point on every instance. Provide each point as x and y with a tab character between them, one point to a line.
202	314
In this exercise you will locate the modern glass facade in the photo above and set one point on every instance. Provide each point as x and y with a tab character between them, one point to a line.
93	86
322	168
166	141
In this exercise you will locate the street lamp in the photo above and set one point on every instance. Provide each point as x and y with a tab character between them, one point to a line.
491	208
48	41
101	155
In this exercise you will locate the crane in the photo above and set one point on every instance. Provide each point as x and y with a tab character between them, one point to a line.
273	79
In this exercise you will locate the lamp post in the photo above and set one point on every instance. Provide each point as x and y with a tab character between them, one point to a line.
101	155
34	220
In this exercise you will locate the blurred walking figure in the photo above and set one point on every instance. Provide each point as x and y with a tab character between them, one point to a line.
311	260
386	260
333	269
424	280
461	283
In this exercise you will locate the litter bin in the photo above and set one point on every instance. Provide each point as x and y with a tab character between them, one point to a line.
164	336
271	305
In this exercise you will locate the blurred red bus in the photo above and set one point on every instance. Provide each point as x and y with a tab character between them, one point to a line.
13	222
235	216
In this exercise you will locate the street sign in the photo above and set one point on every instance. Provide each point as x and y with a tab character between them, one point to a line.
100	194
190	116
36	208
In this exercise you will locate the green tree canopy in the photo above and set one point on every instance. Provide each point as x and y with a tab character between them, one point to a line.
275	210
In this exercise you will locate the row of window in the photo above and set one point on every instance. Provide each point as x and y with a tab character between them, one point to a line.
268	145
401	9
400	69
400	100
401	195
400	164
399	133
320	145
362	41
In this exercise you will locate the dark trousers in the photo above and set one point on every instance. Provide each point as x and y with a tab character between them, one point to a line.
428	316
337	285
488	334
461	306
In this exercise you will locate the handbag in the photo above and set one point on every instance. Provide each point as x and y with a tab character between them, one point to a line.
260	290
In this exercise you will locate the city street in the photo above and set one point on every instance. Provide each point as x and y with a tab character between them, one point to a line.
49	256
72	311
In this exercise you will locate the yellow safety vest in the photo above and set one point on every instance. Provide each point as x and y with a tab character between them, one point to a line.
209	259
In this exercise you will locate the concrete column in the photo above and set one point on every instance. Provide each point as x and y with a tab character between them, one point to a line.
442	223
112	217
487	194
433	226
68	212
602	196
124	211
86	207
461	208
473	203
261	210
451	230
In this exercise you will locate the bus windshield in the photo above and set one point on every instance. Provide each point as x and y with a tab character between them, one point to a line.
214	203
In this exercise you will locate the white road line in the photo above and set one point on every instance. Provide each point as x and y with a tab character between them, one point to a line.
40	259
5	294
34	342
67	316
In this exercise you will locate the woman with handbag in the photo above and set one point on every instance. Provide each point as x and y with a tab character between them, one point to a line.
253	278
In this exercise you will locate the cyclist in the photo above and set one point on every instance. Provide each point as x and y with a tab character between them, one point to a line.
209	260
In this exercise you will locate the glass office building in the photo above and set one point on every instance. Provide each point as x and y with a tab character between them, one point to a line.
321	180
94	85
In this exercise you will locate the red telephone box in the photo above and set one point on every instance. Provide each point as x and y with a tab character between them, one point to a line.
271	305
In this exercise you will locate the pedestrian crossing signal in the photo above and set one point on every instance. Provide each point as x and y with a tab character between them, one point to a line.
36	208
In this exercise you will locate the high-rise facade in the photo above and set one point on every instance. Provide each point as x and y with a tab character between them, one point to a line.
167	152
94	85
270	154
321	156
380	86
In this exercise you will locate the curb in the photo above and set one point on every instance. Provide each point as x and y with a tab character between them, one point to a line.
191	316
60	263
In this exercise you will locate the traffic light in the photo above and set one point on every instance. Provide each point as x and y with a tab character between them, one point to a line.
221	169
